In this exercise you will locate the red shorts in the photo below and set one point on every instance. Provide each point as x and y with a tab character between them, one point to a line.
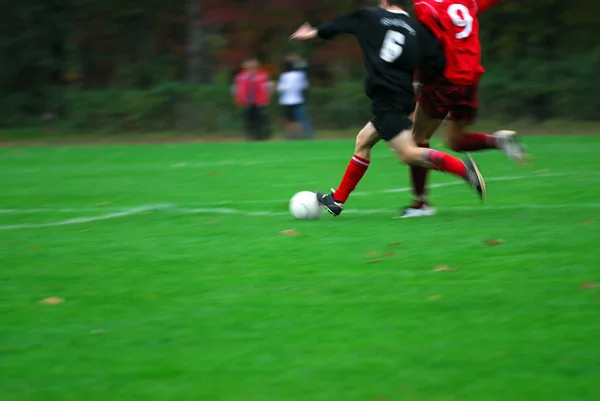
442	99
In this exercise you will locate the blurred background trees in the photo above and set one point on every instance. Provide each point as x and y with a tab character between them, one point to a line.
93	63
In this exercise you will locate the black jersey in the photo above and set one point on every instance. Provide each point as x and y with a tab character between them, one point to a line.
394	45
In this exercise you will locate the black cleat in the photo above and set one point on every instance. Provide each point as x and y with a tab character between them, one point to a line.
474	177
333	207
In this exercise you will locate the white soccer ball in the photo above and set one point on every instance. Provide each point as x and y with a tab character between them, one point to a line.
305	206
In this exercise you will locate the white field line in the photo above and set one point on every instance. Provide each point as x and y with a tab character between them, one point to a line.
267	201
124	212
529	206
213	211
385	191
83	220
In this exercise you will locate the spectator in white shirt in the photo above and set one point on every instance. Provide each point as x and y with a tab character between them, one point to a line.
291	86
301	65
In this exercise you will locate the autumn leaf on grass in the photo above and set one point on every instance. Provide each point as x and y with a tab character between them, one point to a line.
588	285
52	301
289	233
35	247
388	254
394	244
493	242
444	268
589	221
434	297
376	260
371	254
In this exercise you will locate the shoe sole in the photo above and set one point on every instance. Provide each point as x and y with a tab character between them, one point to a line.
479	177
427	214
514	136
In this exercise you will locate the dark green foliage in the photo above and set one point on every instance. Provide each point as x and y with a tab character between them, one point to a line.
98	65
527	89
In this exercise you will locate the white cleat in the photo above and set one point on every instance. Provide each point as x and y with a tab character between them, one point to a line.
508	141
423	211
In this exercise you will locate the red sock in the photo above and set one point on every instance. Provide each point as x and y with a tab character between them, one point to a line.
418	177
354	173
472	141
444	162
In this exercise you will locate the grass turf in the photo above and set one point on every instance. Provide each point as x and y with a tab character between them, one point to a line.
182	288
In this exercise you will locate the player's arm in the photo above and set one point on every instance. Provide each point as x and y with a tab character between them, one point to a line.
348	23
433	60
484	5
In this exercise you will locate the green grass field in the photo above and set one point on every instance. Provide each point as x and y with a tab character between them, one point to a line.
174	282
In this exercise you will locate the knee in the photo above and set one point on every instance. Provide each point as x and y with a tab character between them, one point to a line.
409	155
363	141
422	143
406	158
453	143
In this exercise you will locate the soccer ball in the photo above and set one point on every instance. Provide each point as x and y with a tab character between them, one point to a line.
305	206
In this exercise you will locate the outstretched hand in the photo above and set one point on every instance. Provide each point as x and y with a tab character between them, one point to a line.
305	32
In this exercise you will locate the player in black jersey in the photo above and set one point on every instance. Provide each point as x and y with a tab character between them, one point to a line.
394	45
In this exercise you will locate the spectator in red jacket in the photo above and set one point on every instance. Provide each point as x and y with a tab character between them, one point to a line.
252	92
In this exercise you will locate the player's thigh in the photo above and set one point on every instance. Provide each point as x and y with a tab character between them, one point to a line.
395	127
405	147
368	137
424	125
463	111
434	101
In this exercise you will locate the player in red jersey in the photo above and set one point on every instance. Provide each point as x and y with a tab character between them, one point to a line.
454	94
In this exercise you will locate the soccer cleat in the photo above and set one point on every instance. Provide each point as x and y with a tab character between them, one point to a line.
474	177
418	209
508	141
333	207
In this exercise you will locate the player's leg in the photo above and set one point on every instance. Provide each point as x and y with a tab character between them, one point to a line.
432	108
357	167
423	129
461	140
409	153
462	114
249	122
291	125
262	122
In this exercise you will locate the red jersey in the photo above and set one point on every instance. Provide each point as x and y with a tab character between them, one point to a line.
455	25
252	88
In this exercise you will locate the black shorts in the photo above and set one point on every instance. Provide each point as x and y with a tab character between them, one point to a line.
390	115
290	112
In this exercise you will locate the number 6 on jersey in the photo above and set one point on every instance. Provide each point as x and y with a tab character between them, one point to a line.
392	48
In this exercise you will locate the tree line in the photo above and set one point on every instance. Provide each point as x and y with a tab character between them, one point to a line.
49	46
